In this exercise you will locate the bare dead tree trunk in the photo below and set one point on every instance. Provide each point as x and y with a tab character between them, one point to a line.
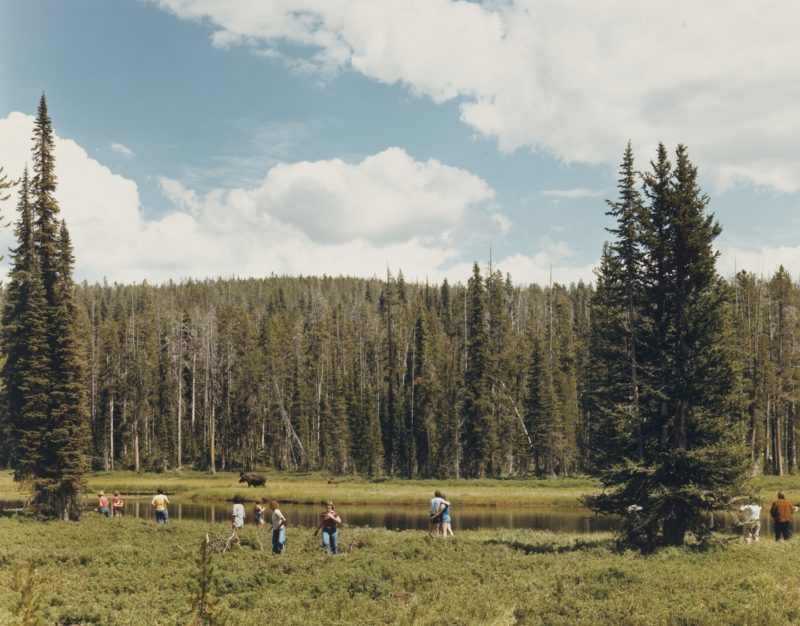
111	431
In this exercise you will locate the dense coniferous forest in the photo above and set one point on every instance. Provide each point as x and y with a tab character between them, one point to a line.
338	374
386	377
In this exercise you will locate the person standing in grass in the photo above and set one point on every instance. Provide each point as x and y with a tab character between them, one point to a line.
436	513
751	524
445	519
278	528
117	504
102	503
781	512
237	520
258	512
160	503
329	522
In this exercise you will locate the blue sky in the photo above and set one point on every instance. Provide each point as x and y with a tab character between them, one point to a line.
235	137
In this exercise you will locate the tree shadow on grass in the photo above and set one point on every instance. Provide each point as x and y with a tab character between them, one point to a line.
552	547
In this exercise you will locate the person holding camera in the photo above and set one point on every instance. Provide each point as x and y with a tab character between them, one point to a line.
329	523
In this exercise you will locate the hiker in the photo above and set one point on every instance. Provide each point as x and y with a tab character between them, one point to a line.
102	503
781	513
117	504
160	502
258	512
328	522
436	510
237	519
278	528
444	518
751	525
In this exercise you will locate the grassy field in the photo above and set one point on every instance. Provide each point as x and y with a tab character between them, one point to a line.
128	571
315	488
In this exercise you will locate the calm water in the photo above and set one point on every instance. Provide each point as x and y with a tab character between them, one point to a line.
567	519
558	519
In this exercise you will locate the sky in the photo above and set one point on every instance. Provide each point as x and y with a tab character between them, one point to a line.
220	138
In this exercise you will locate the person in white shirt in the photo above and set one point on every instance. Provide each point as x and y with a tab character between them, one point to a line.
751	525
278	528
237	522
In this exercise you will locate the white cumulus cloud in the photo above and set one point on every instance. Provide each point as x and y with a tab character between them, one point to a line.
573	78
324	217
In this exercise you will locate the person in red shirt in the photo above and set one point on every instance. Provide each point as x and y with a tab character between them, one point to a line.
328	522
117	504
781	512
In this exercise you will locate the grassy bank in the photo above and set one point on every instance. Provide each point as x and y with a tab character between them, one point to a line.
315	488
127	571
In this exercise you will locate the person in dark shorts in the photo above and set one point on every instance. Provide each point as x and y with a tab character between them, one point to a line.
781	512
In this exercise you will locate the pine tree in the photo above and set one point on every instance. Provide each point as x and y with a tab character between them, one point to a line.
692	452
45	379
26	371
59	481
480	434
202	603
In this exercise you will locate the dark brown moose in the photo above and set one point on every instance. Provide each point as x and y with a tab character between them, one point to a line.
252	480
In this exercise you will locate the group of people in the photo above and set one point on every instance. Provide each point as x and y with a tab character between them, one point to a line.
329	520
278	521
781	513
117	504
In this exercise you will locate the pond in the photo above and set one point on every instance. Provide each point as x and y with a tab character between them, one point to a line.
404	517
398	517
394	517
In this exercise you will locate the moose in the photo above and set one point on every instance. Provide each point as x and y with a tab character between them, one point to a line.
252	480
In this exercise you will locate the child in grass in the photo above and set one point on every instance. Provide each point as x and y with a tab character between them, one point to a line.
102	503
278	528
117	504
258	512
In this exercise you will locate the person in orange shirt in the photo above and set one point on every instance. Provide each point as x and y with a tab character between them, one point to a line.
781	512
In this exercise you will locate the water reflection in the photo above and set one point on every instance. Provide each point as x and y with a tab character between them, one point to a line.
400	517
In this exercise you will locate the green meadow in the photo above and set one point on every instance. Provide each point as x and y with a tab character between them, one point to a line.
128	571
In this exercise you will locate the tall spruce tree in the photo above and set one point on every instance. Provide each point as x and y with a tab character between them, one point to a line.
26	371
45	379
480	434
691	453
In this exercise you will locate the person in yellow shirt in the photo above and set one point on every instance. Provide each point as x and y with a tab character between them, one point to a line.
160	502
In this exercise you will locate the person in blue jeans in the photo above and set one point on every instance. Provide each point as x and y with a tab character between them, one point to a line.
278	528
160	503
329	522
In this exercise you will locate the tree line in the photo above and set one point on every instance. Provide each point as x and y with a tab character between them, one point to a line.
385	377
379	377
